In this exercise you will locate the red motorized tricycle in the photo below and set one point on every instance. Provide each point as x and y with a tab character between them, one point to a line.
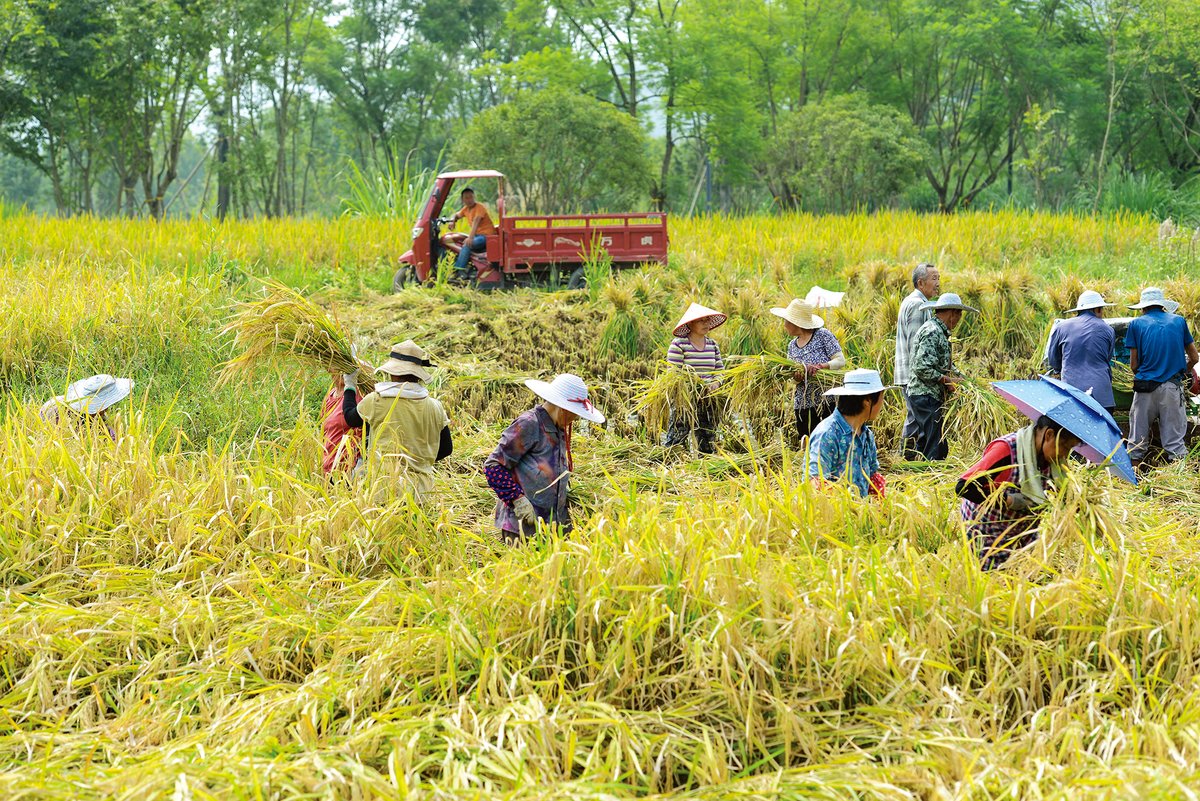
529	249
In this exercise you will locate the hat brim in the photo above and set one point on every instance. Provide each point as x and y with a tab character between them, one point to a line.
931	306
94	404
1078	309
1170	305
546	392
397	367
838	391
812	324
682	329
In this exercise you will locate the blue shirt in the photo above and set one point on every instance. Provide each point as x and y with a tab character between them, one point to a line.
1081	350
835	453
1161	340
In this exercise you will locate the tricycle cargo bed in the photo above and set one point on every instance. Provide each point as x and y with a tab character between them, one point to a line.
627	238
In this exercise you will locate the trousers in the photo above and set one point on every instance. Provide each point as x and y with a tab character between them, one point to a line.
706	427
1166	405
908	435
929	415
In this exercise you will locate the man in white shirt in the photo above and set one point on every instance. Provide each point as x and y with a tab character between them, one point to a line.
927	283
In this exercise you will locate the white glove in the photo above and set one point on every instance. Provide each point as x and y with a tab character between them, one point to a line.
523	509
1017	501
351	380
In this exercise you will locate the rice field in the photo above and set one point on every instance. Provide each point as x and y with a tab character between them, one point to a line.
193	612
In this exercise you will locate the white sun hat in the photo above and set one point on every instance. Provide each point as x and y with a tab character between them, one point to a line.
1089	299
407	358
948	300
1153	296
567	392
697	312
860	382
96	393
800	312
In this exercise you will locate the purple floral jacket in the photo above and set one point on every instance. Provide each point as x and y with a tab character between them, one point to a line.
533	450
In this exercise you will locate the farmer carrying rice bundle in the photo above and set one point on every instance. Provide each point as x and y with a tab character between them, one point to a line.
531	466
1003	494
407	431
815	349
842	447
693	349
86	403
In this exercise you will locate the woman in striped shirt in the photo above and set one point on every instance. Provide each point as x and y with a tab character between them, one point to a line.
692	348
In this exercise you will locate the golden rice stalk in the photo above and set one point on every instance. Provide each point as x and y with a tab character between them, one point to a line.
1122	377
286	323
675	390
978	415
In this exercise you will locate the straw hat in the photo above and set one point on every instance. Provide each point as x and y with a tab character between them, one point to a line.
95	394
567	392
407	358
948	300
800	312
1153	296
860	382
697	312
1088	300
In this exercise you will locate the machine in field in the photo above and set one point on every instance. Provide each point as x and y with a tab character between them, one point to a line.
528	249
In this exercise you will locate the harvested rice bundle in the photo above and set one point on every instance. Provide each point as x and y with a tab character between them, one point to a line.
1122	377
286	323
674	389
978	415
762	388
623	334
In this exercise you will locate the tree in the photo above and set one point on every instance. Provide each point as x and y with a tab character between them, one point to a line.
560	152
843	154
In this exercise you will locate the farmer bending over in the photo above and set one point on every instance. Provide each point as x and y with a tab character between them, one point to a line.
842	446
531	466
407	431
86	403
1004	491
479	224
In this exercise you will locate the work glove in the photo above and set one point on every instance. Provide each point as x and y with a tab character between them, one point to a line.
1017	501
351	378
524	511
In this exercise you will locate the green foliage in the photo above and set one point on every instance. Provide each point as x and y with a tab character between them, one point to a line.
1148	193
560	152
843	154
399	192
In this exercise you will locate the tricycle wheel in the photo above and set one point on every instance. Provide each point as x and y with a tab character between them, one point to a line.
578	279
403	277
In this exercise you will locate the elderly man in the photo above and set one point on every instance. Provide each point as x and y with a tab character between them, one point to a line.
933	377
927	283
1081	349
1161	355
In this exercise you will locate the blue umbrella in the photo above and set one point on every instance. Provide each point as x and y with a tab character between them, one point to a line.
1077	412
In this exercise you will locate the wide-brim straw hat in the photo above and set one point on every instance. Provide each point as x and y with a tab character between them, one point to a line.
697	312
948	301
567	392
860	382
96	393
800	312
1088	300
407	358
1153	296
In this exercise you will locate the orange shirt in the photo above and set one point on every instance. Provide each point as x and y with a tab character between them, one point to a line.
485	221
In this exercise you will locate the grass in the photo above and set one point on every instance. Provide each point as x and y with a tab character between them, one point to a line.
194	612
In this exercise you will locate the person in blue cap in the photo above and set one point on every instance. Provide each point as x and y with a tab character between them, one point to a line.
1162	356
842	446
